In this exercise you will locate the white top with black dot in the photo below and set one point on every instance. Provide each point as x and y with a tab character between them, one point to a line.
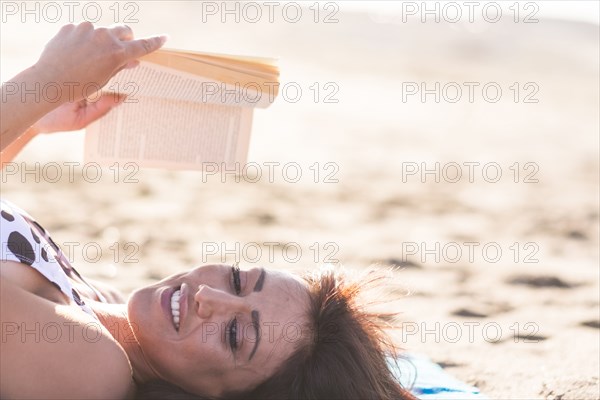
25	241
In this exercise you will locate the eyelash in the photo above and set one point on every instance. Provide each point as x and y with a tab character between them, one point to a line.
233	326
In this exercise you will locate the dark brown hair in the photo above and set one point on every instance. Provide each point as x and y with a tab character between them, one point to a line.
343	357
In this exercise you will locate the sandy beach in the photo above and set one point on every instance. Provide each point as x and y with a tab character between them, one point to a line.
487	208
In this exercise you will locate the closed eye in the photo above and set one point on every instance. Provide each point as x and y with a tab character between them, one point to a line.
232	332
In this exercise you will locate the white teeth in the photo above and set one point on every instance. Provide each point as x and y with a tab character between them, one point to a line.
175	307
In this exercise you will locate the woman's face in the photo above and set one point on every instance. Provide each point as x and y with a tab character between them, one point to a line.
235	326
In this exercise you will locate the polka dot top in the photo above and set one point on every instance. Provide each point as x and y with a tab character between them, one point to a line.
25	241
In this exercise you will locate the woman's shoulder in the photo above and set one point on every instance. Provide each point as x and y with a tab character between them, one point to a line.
70	354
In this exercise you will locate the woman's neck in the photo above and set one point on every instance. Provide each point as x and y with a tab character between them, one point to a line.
114	318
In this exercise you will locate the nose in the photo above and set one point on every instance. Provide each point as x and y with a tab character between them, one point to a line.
214	302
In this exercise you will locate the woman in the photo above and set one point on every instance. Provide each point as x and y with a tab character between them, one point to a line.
216	331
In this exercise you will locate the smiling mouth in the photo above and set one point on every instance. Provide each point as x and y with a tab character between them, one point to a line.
175	302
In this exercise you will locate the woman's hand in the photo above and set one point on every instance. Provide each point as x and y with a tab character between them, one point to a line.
67	117
78	115
81	59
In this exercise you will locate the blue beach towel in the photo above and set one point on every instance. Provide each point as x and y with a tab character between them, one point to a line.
428	381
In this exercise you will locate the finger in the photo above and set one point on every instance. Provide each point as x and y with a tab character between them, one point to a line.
141	47
101	107
85	26
123	32
119	98
68	28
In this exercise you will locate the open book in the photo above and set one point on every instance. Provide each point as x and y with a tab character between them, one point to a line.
183	110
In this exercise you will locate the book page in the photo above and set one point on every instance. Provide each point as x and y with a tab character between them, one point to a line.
152	80
171	134
260	69
261	62
236	72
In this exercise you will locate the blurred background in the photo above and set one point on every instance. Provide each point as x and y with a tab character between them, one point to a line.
458	145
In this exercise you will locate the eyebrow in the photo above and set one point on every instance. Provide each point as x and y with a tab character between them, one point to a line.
260	281
256	324
255	316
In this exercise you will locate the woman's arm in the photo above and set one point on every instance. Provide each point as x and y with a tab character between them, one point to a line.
69	365
20	108
11	151
67	117
78	60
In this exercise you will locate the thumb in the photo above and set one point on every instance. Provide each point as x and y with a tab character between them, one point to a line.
101	107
